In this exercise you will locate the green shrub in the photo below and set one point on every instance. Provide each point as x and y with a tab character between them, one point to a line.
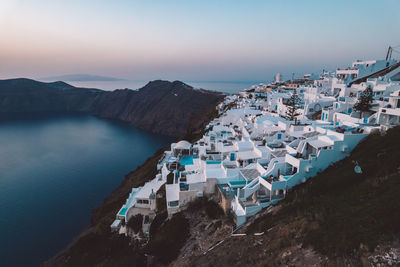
136	222
157	222
211	208
94	248
166	243
161	201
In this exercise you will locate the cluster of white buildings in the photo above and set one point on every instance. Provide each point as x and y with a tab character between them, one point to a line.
250	155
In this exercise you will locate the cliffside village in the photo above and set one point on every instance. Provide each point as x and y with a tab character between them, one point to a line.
270	138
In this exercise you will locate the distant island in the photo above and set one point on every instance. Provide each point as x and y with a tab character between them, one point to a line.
81	78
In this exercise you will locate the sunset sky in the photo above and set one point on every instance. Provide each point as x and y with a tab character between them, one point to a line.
191	40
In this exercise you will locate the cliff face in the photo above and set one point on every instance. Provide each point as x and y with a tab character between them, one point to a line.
25	95
160	106
96	245
168	108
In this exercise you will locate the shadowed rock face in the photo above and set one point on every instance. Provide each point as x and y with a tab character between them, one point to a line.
24	95
163	107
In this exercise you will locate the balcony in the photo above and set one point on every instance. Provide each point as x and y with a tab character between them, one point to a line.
293	160
391	111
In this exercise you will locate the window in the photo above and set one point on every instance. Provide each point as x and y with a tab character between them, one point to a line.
173	203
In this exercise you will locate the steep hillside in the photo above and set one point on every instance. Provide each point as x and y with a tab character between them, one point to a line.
168	108
96	245
25	95
337	218
160	106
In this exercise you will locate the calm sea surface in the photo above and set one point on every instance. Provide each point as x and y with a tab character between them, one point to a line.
53	171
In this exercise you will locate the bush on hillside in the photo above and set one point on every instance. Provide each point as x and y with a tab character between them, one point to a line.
157	222
136	222
166	243
161	201
211	208
104	248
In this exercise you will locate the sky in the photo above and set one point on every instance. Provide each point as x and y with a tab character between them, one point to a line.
203	40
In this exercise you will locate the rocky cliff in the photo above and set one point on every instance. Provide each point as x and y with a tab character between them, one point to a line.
163	107
338	218
96	245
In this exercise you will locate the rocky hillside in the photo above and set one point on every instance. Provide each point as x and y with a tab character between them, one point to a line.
25	95
168	108
160	106
338	218
96	245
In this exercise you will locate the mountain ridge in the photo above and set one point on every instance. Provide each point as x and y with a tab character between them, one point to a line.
161	107
80	78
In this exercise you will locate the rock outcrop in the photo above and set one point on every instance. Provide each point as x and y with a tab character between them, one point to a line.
162	107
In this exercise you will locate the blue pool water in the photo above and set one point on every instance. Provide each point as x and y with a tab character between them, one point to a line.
123	211
187	160
53	171
238	183
213	162
129	201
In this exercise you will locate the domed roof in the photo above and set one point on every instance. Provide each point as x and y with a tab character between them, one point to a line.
183	145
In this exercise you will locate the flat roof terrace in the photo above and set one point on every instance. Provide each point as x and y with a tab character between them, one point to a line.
250	174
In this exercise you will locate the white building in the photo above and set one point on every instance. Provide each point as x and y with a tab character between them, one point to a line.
250	156
278	78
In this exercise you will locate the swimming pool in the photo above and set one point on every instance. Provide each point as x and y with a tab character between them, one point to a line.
129	202
237	183
213	162
187	160
122	212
